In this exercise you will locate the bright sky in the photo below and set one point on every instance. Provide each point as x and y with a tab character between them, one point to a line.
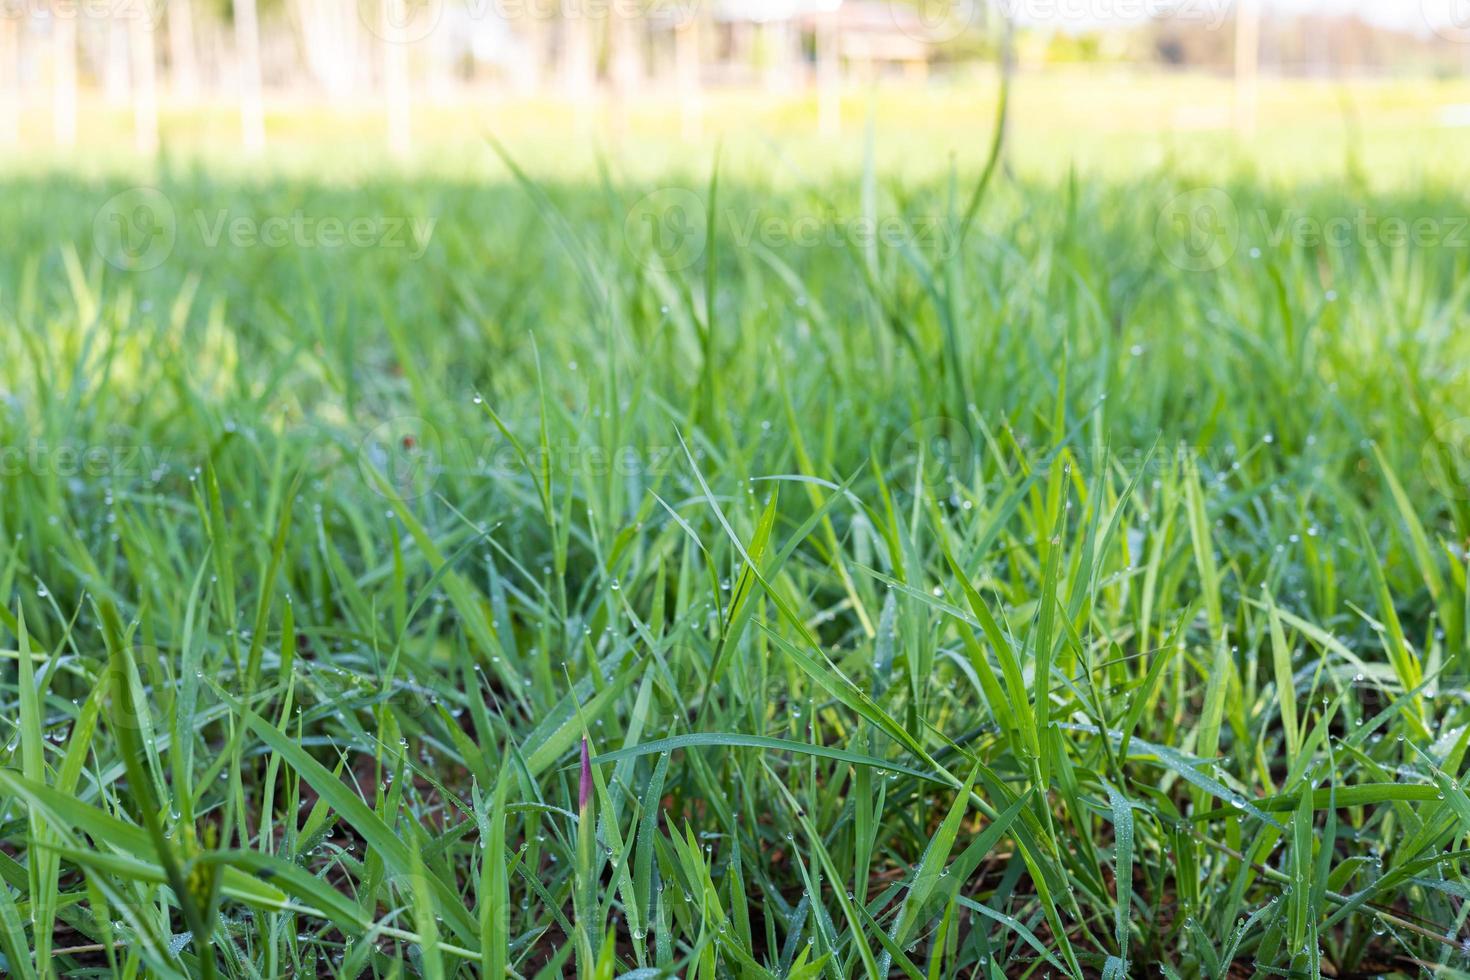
1413	15
1409	14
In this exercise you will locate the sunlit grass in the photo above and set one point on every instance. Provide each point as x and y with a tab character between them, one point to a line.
999	601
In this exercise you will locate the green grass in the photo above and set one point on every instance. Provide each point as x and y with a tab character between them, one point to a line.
1001	604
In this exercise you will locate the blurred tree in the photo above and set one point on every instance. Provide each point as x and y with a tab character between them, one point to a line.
1247	64
396	80
143	73
331	42
9	80
579	57
64	80
183	58
247	74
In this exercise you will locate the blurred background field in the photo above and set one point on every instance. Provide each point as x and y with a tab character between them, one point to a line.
337	89
1112	122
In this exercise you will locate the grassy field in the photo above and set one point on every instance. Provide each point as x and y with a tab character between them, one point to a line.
1113	123
865	576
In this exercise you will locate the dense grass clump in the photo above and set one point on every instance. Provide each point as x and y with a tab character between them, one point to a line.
1071	585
